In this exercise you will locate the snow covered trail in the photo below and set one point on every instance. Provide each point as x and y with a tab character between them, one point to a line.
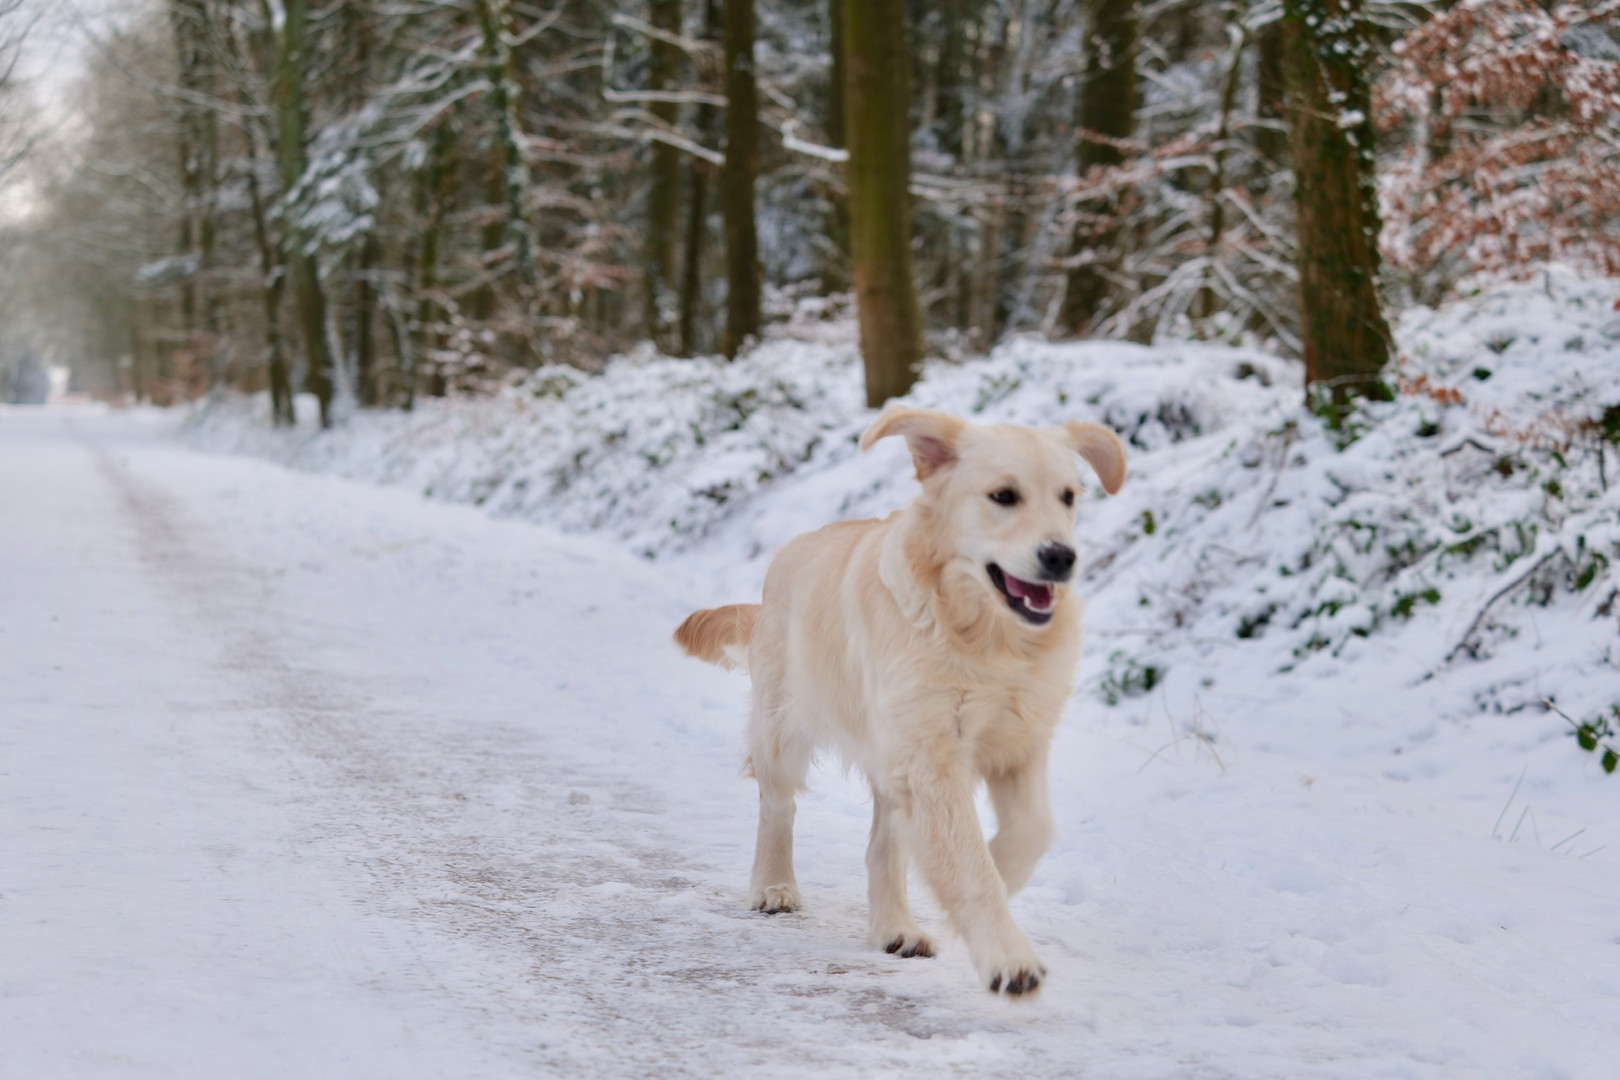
300	777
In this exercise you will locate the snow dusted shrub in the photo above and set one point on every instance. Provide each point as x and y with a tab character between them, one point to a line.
1456	492
1208	215
1596	735
1212	262
1467	535
1512	113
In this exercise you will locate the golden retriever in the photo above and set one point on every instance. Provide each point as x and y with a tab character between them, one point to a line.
932	649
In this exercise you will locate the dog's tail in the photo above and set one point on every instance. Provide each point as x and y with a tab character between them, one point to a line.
719	635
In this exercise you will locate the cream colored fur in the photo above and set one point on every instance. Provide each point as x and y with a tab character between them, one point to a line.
888	642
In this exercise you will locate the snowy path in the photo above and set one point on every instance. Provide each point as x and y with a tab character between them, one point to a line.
304	778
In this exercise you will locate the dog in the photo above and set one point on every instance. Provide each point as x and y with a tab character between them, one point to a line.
932	649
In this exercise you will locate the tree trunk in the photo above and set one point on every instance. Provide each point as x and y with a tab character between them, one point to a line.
697	213
365	322
1207	301
311	299
214	309
664	195
272	279
495	23
183	18
1272	105
878	127
1342	325
1106	106
422	262
743	287
984	282
360	29
202	304
955	74
272	273
697	208
835	276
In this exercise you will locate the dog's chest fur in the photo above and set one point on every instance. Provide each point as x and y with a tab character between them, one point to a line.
1001	716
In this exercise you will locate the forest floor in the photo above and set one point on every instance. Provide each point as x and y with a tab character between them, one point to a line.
305	776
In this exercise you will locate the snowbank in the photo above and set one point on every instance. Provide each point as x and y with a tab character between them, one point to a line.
1474	519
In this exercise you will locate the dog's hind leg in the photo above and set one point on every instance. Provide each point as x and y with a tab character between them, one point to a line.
1024	829
893	928
780	763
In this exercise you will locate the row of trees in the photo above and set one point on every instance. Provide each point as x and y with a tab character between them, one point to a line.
374	200
13	32
19	375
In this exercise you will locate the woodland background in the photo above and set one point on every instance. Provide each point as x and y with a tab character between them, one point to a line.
375	200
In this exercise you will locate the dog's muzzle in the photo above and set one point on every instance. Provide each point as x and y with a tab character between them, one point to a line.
1032	600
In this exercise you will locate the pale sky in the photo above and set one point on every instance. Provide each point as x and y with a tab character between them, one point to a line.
53	59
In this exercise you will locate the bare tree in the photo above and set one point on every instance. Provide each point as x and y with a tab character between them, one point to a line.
14	141
409	199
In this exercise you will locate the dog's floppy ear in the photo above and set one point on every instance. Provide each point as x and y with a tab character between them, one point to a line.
930	436
1102	449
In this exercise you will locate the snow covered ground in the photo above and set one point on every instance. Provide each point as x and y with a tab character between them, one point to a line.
304	776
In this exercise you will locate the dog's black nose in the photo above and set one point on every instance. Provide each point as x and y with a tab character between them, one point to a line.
1057	560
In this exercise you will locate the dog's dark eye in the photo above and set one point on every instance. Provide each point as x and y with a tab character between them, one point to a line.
1004	497
1068	496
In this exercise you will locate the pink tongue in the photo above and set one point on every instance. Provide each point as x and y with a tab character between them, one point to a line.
1038	595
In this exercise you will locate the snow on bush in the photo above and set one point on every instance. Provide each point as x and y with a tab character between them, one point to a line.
1512	109
657	451
653	451
1477	516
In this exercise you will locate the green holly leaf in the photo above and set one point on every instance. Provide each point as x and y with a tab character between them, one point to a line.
1610	759
1586	737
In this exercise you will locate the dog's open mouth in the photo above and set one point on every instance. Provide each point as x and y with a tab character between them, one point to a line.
1031	600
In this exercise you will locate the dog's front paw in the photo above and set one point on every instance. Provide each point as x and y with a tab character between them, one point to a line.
775	899
908	943
1016	975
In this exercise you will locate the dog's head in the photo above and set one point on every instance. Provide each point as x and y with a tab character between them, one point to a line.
999	502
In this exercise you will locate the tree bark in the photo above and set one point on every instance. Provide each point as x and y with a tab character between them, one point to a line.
214	311
1272	105
1342	324
955	73
1207	301
1106	106
495	24
361	31
835	276
183	19
422	264
697	215
878	128
272	280
365	321
664	195
743	315
697	209
272	272
292	60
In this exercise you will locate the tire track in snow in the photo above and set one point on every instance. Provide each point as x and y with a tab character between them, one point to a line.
540	891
